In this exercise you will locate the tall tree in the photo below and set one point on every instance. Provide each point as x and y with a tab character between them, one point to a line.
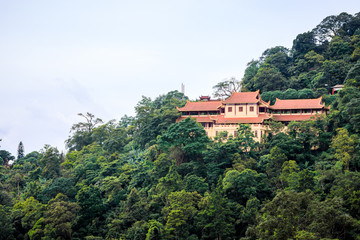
82	132
227	87
331	26
20	151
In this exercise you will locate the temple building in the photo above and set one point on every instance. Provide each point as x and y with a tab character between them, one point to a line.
248	108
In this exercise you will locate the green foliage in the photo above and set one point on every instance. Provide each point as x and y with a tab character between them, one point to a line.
195	183
91	208
147	177
154	117
180	211
290	93
345	148
50	162
187	137
156	230
241	186
60	215
269	78
82	132
6	229
26	214
214	217
20	151
320	58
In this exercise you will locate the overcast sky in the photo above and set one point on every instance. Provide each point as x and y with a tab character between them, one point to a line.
59	58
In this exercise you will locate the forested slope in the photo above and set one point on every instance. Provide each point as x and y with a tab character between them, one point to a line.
147	177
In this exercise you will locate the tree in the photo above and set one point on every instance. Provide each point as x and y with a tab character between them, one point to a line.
227	87
240	187
6	157
135	209
302	44
154	117
328	219
278	57
156	231
275	159
186	136
338	48
345	148
180	212
214	217
61	185
247	81
26	214
195	183
6	228
50	162
82	132
91	208
112	137
331	26
353	76
269	78
282	217
59	218
20	151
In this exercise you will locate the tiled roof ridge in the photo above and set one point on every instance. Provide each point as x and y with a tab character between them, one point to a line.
214	104
294	103
233	95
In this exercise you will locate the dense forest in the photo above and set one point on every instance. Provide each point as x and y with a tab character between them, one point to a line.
148	177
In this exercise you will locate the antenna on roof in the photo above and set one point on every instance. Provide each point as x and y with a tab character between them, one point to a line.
183	88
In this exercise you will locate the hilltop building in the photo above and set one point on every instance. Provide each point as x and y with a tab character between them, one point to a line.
335	89
248	108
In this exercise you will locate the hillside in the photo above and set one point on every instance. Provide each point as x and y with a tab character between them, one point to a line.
148	177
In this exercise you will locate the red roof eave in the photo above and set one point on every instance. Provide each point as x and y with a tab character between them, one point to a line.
201	106
259	119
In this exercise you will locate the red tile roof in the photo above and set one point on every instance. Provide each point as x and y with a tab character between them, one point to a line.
289	118
265	103
201	106
258	119
298	104
244	97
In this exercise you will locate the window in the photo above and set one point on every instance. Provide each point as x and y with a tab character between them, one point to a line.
235	133
251	109
256	135
241	109
230	109
262	109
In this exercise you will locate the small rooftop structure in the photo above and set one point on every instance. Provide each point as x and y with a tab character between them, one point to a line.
335	89
204	98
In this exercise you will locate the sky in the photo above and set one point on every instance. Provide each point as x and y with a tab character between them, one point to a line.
60	58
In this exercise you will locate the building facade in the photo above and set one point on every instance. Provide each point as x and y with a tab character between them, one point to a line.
248	108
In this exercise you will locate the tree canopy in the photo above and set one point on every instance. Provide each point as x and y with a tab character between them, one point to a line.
152	177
